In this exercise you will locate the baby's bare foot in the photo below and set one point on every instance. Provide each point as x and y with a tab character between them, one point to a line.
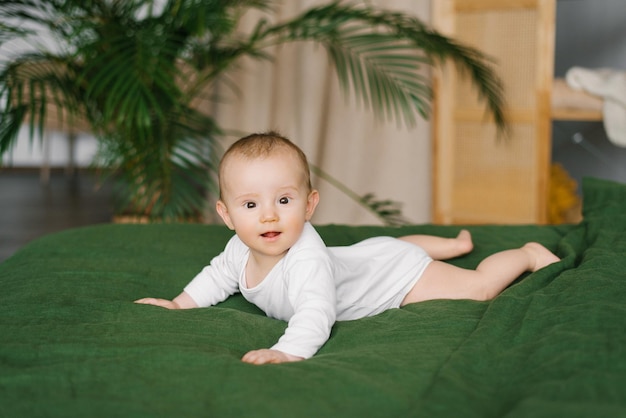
540	255
464	241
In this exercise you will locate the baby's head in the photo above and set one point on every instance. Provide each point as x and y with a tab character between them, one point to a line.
263	145
265	192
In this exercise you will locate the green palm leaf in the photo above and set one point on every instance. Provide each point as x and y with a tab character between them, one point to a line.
378	79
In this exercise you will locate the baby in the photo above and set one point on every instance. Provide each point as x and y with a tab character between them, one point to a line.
277	260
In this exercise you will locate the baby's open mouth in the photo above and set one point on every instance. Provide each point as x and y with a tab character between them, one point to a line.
270	234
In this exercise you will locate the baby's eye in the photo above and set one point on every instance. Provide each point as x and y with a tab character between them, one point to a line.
284	200
250	205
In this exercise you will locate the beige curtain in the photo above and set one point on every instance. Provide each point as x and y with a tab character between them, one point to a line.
298	95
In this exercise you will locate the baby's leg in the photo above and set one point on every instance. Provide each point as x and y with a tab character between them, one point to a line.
445	281
440	248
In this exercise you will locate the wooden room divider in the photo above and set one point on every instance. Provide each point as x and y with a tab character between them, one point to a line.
481	177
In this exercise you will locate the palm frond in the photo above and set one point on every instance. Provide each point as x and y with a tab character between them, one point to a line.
367	45
383	75
32	84
168	182
389	211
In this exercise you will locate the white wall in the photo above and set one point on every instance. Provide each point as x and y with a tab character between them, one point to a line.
590	33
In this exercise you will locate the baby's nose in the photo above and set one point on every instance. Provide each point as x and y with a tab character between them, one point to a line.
269	214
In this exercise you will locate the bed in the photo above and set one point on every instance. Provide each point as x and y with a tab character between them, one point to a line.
552	344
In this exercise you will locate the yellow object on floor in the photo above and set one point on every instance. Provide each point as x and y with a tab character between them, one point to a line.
564	204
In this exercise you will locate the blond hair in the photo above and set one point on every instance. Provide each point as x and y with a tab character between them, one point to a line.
261	145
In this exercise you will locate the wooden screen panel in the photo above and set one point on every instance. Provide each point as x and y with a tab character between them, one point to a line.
478	177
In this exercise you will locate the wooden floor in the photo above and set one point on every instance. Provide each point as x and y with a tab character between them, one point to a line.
30	209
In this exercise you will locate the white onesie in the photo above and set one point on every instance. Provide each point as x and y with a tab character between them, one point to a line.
312	285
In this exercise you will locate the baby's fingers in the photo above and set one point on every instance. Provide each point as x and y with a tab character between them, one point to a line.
163	303
265	356
146	301
260	357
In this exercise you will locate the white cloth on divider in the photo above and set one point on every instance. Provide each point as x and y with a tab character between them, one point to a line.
609	84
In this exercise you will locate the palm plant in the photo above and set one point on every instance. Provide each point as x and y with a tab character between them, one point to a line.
133	70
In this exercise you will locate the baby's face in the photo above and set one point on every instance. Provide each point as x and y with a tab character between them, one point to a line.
266	201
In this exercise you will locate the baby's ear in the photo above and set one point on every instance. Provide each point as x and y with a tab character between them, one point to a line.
311	204
222	210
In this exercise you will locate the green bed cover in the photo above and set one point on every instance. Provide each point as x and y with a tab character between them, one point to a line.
72	342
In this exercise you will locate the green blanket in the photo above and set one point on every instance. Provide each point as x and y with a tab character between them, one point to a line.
73	344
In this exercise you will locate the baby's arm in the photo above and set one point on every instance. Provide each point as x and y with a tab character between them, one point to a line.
213	284
182	301
311	293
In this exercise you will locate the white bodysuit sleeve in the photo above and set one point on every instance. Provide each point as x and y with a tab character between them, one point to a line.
312	294
219	280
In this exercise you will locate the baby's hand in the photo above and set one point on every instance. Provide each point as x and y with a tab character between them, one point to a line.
264	356
182	301
163	303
